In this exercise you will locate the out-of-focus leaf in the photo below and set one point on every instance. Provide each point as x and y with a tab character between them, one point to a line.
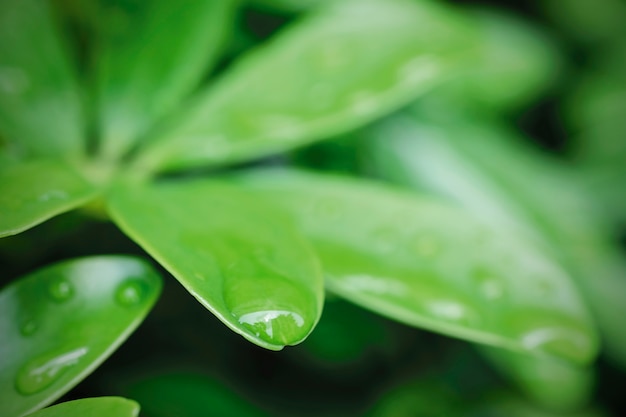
189	395
339	68
35	191
92	407
59	323
39	99
153	53
500	404
244	263
486	169
431	265
289	5
553	384
514	62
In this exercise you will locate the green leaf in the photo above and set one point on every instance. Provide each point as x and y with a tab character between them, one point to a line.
152	55
339	68
489	171
431	265
554	384
92	407
243	262
34	191
189	395
39	99
59	323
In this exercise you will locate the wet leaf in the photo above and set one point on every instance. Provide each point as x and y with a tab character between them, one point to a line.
39	98
429	264
151	55
489	171
34	191
340	67
92	407
59	323
243	262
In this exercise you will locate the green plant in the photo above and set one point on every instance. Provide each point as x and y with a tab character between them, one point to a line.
496	244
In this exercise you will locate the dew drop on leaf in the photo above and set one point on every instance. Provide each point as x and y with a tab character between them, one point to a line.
453	311
130	293
61	290
488	284
270	324
41	372
28	328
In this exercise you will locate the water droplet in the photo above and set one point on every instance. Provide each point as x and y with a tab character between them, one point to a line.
425	246
451	310
130	293
28	328
271	325
41	372
363	103
53	195
419	70
61	290
374	285
488	284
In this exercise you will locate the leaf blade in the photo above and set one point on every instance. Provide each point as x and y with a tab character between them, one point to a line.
40	105
255	109
95	407
244	264
34	191
63	321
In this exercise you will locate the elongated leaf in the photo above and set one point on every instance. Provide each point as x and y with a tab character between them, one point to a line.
39	100
189	395
34	191
242	262
425	263
551	383
487	170
153	54
339	68
58	324
92	407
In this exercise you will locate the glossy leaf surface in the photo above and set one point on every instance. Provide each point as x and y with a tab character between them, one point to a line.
243	262
189	395
492	173
428	264
152	55
340	67
59	323
32	192
92	407
554	384
39	99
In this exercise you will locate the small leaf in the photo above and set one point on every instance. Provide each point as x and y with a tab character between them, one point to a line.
553	384
34	191
39	98
431	265
152	55
59	323
92	407
489	171
337	69
241	261
189	395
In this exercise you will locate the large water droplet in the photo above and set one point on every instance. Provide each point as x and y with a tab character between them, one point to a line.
43	371
271	325
130	293
488	284
61	290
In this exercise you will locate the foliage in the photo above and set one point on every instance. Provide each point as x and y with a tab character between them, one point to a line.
278	157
